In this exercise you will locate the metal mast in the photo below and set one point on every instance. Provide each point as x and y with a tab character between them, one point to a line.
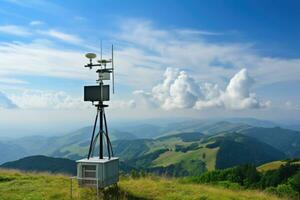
99	94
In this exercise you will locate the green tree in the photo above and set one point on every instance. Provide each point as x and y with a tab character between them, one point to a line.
295	182
285	190
134	174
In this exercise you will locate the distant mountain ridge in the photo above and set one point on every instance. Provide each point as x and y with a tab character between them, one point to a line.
54	146
288	141
43	164
169	154
186	147
177	155
40	163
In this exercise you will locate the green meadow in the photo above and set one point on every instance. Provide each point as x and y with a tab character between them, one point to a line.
16	185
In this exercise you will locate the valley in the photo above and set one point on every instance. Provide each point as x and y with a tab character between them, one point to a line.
187	147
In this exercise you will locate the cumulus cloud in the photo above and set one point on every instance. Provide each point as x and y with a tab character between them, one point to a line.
37	99
237	94
6	103
182	90
154	49
179	90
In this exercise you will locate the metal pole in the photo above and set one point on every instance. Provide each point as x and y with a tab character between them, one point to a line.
71	188
97	188
101	121
101	133
107	138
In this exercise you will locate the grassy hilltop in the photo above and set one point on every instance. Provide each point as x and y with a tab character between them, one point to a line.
16	185
276	164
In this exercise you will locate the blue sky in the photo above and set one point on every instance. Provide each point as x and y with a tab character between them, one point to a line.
174	58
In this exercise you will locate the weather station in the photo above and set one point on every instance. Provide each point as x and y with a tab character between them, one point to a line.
99	170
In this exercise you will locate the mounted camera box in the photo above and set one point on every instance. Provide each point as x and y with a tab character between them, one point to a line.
95	172
96	93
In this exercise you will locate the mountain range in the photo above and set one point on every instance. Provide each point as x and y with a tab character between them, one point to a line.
177	148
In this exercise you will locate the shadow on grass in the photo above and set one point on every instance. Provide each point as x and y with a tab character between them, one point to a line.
110	193
6	179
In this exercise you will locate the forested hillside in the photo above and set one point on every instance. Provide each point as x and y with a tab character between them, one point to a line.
176	149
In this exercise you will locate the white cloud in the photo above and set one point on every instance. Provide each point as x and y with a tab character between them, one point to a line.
122	104
146	51
62	36
36	23
29	99
291	105
41	59
179	90
6	103
236	96
37	99
14	30
11	81
197	32
155	49
142	54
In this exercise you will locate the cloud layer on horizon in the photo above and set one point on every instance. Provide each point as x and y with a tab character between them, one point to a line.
180	91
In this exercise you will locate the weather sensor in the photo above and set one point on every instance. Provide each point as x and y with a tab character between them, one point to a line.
99	171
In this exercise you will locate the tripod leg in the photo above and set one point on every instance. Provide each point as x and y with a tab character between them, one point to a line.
107	138
95	124
101	134
94	143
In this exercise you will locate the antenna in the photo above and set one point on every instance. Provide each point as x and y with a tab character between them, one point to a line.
100	49
113	68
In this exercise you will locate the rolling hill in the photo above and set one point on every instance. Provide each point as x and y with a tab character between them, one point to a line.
237	149
41	163
72	145
285	140
276	164
193	153
180	150
175	155
10	152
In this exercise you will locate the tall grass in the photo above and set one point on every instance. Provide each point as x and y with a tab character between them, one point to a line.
16	185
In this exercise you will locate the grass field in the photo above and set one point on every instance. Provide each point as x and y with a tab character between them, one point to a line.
172	157
270	166
15	185
273	165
